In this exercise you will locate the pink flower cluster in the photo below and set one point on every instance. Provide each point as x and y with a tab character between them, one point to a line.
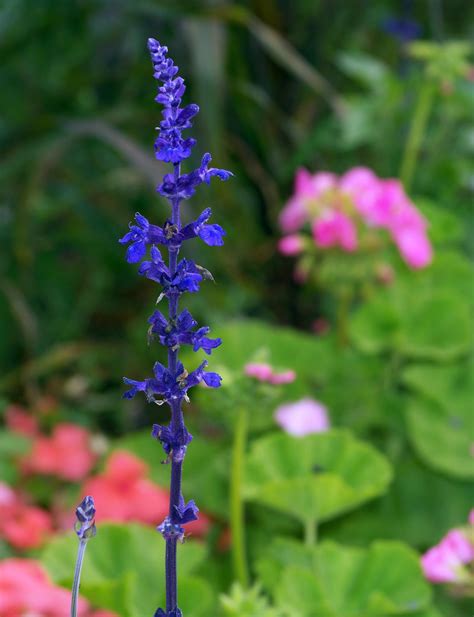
303	417
26	591
336	207
123	493
22	525
266	373
446	562
66	453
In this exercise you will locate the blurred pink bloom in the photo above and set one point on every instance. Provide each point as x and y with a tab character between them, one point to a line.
332	205
22	525
302	417
307	188
335	229
284	377
260	371
266	373
26	591
67	453
471	517
291	245
18	420
123	493
444	563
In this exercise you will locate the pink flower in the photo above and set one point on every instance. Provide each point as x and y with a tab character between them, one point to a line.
302	417
471	517
123	493
284	377
291	245
26	590
22	525
66	453
18	420
266	373
414	247
260	371
335	229
307	188
444	563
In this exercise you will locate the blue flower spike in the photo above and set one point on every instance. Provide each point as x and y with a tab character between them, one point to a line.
175	277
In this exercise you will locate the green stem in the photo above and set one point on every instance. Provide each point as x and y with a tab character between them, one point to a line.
311	532
77	576
416	134
344	298
237	518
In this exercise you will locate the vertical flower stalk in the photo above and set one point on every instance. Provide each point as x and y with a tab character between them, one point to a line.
85	529
170	384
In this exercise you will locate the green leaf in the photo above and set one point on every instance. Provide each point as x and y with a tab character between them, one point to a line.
442	437
124	569
316	477
451	386
336	581
364	68
417	325
419	507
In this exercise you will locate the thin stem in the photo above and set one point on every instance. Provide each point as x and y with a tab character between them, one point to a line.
311	532
177	423
416	134
77	576
237	512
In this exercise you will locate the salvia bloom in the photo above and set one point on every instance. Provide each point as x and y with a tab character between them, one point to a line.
85	529
170	384
339	209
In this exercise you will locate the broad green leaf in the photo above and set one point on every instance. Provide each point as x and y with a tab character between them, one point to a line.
124	569
316	477
419	507
443	437
417	325
336	581
451	386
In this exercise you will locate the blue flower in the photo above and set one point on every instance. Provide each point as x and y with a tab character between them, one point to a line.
85	515
174	613
139	236
180	331
171	386
174	441
186	278
186	185
185	512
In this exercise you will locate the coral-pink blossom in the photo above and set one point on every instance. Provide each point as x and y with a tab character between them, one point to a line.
335	229
25	591
67	453
123	493
302	417
445	562
22	525
18	420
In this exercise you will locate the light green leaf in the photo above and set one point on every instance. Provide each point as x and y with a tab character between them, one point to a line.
335	581
442	437
124	569
417	325
316	477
